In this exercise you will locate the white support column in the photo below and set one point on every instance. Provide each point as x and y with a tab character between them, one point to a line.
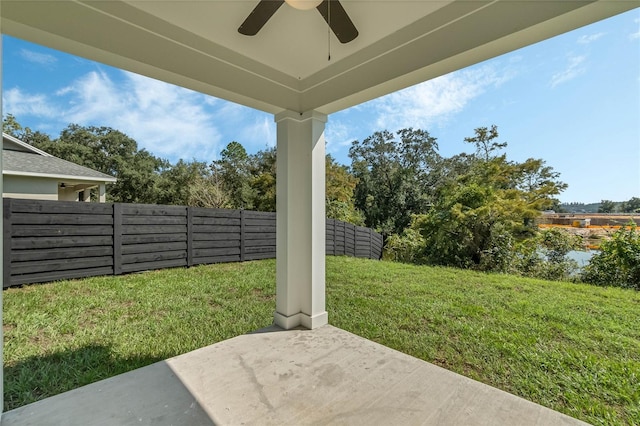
102	193
1	257
300	198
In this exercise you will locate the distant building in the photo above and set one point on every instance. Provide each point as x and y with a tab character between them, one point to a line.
31	173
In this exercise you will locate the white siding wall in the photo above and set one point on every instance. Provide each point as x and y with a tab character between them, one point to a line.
67	194
30	187
42	188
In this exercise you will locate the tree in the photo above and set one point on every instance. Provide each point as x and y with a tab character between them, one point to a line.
11	126
234	173
393	177
618	261
545	255
177	182
631	206
112	152
539	183
340	185
485	142
606	206
471	225
263	180
480	213
208	191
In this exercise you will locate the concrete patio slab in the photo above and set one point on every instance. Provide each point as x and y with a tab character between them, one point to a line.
295	377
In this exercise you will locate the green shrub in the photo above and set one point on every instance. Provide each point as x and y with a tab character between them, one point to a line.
498	255
406	248
618	262
545	255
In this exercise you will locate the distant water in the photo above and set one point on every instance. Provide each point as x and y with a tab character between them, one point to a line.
582	257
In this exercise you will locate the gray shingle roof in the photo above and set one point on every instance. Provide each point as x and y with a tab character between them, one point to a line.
17	162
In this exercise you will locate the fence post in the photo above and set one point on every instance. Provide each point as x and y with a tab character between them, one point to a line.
242	225
370	243
6	243
117	238
189	236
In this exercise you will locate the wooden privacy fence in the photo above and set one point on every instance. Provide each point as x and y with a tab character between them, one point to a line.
54	240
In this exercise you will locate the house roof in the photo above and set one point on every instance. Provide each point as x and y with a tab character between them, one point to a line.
15	144
286	66
20	158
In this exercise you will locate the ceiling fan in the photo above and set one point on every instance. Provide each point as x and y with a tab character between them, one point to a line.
331	10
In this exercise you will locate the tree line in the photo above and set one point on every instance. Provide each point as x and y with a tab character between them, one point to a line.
632	205
236	180
472	210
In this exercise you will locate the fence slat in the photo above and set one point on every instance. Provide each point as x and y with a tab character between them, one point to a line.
148	266
153	229
60	253
153	238
159	256
215	244
223	251
63	219
59	275
59	230
44	266
217	259
155	220
154	247
54	207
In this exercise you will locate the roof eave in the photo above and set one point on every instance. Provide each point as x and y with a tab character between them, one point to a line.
60	176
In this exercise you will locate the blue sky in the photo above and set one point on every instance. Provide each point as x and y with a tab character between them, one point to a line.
573	101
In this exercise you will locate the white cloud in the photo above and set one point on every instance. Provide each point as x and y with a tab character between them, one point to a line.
169	121
586	39
573	69
92	99
38	58
16	102
636	35
260	133
254	129
436	101
338	136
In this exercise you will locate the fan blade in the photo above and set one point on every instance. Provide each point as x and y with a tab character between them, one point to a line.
259	16
339	21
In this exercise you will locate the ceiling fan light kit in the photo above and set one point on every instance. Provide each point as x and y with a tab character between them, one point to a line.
331	10
303	4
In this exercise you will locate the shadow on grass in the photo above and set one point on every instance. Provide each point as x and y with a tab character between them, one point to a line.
40	377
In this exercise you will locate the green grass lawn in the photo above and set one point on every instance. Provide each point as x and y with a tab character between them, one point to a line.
571	347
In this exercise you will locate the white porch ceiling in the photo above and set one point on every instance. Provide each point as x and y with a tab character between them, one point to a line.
196	44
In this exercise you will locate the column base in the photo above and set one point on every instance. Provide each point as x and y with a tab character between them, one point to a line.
300	319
